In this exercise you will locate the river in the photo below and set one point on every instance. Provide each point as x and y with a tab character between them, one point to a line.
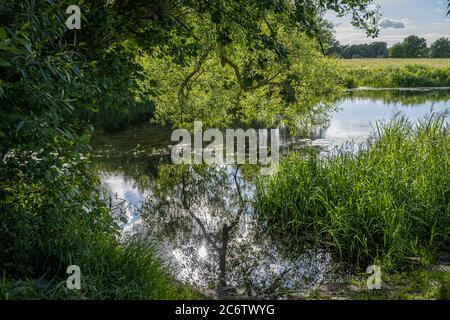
201	218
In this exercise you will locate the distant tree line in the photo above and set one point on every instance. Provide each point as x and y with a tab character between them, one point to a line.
411	47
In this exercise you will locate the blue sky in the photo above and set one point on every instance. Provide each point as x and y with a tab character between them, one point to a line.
400	18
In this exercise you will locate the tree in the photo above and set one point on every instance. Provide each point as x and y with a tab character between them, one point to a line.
440	48
335	48
373	50
411	47
245	37
398	50
378	50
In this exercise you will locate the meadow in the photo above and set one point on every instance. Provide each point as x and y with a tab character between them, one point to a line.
378	63
395	73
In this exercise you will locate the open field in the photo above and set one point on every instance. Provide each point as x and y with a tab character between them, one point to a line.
396	73
379	63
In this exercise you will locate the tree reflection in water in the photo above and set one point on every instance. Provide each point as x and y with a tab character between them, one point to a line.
204	215
202	218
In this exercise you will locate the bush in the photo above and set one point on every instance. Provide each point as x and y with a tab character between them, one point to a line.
52	214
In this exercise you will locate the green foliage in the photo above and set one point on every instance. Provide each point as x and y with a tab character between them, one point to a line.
386	203
373	50
53	79
440	48
411	47
414	75
233	85
51	211
108	271
202	59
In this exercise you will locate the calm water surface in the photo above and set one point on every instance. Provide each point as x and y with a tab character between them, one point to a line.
202	217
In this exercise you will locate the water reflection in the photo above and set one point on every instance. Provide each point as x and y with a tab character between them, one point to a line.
202	216
361	110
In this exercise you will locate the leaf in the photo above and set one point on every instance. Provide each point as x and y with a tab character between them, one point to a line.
3	34
4	63
85	138
11	49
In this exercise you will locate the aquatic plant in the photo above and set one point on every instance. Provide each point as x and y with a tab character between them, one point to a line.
389	202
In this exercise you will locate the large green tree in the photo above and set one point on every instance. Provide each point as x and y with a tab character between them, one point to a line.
440	48
246	38
411	47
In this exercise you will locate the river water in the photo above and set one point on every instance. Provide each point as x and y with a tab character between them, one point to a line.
201	218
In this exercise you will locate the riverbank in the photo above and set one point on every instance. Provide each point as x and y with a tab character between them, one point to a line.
109	270
66	221
395	73
113	269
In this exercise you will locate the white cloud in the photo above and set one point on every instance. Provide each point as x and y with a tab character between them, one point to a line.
418	16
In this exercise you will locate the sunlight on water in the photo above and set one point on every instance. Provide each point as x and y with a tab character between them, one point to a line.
357	118
192	239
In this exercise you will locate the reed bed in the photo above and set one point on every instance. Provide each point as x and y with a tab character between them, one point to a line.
388	203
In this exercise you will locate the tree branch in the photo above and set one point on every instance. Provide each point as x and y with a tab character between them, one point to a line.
235	67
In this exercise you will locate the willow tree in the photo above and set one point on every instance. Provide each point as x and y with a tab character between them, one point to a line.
220	61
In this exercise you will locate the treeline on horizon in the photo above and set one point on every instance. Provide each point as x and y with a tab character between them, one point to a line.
411	47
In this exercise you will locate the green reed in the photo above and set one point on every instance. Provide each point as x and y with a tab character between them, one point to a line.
388	203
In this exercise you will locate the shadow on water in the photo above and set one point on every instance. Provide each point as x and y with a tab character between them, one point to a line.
202	216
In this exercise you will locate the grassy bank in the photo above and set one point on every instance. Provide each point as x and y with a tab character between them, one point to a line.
54	216
408	98
393	73
109	270
388	204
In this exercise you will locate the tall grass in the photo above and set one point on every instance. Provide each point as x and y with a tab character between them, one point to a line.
386	203
414	75
109	270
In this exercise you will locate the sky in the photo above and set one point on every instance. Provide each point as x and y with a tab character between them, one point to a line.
400	18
